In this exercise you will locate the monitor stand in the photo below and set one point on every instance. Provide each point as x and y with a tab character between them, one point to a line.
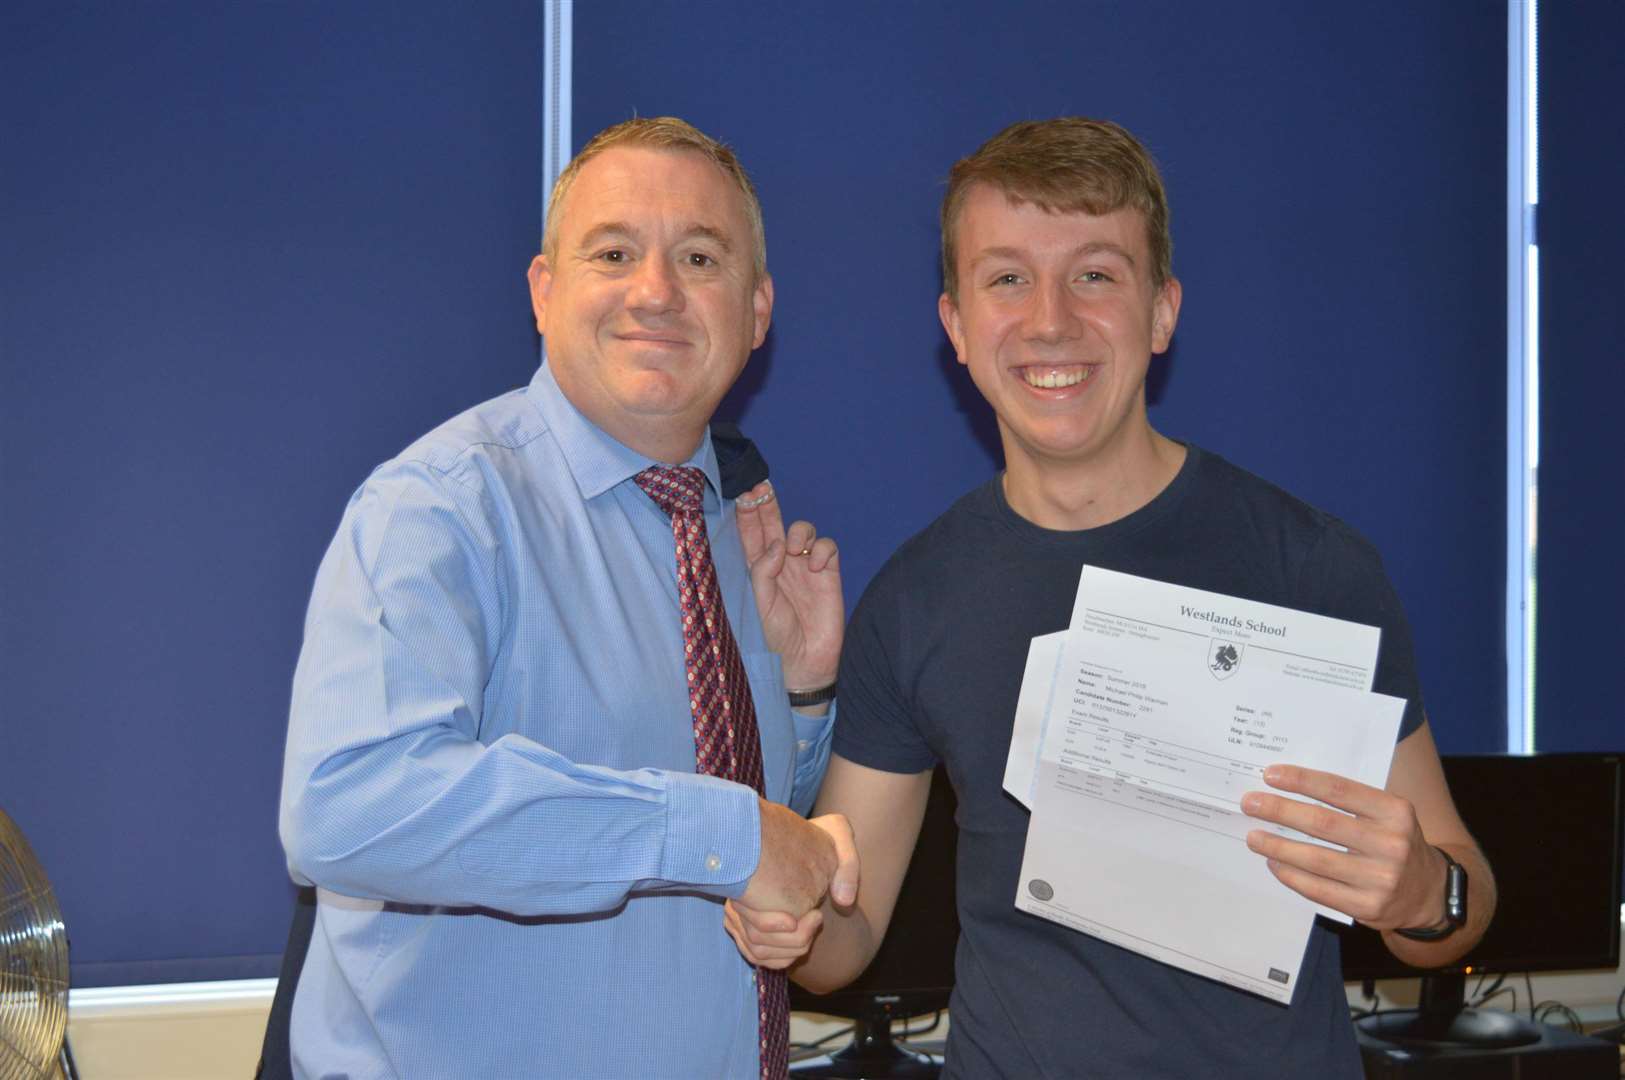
1443	1019
871	1053
1444	1040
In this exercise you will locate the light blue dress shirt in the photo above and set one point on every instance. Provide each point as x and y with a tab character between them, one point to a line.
490	770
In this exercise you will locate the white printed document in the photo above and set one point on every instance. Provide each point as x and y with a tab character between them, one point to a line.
1137	732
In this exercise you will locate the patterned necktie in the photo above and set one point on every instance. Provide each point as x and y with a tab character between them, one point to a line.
726	740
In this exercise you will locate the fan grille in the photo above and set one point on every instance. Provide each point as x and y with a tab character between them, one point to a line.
33	963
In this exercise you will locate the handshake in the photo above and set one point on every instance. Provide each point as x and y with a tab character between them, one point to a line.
802	861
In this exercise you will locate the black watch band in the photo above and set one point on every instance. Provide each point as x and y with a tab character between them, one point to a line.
799	698
1455	903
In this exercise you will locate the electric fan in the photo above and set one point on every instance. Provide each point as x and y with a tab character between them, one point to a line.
33	964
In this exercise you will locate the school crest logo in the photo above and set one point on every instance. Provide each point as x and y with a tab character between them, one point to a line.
1223	658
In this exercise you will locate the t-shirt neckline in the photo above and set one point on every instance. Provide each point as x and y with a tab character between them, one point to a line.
1160	506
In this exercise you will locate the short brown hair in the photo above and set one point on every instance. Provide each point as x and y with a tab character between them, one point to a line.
1066	165
660	133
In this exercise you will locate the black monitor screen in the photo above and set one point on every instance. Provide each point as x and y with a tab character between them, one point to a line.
913	971
1551	826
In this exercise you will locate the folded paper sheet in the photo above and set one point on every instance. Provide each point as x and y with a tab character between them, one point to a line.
1137	731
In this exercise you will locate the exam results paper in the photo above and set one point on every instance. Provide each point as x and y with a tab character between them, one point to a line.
1137	732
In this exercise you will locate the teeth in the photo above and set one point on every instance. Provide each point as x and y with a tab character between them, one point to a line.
1051	380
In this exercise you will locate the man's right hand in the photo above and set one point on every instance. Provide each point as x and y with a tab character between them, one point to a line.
801	861
775	921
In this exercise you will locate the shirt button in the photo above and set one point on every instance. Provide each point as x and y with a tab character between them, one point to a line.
713	862
801	744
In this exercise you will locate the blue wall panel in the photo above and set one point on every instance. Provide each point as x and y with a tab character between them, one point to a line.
1581	577
1338	191
250	251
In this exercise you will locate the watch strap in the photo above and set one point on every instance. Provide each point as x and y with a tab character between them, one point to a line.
1455	903
799	698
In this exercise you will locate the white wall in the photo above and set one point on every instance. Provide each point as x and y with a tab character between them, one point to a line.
206	1031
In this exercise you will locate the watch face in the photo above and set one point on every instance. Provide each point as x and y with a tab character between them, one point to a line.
1455	892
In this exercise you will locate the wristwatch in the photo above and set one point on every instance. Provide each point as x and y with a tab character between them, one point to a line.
1455	903
802	698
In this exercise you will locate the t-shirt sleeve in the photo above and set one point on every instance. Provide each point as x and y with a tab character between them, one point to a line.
1343	577
876	726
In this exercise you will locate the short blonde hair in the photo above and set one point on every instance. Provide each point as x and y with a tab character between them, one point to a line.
660	133
1066	165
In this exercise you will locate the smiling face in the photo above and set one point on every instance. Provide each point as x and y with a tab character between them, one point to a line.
649	300
1056	317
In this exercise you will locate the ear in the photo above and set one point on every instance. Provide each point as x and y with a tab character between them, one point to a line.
1165	315
540	276
761	303
948	312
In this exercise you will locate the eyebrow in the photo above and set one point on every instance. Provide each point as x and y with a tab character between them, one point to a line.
1097	247
604	231
608	230
715	235
1106	247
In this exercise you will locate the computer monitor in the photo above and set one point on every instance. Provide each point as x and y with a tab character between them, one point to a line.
913	971
1551	826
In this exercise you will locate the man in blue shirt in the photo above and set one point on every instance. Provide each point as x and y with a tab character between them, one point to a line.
491	766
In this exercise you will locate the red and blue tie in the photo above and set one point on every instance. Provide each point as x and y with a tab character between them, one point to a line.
726	740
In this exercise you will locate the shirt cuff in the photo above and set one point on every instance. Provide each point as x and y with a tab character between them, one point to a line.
810	730
713	834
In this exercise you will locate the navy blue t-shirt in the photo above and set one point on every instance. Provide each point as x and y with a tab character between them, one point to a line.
930	672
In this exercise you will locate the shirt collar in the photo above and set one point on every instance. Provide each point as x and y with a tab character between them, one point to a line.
596	460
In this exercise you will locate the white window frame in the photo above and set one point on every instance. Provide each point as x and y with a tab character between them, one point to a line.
1523	374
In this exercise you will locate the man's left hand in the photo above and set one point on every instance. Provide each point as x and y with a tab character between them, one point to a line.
1389	877
771	939
796	576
